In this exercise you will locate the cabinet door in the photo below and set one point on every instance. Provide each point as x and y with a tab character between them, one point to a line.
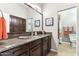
35	43
45	47
17	25
36	51
22	53
14	28
22	50
49	43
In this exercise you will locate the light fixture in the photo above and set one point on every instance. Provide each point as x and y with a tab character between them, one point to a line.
35	7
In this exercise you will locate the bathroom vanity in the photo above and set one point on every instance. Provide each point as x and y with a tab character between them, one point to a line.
21	43
38	45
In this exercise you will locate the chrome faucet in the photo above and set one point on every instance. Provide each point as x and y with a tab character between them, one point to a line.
32	33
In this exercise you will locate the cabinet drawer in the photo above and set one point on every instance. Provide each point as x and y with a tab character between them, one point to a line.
45	39
22	47
21	52
35	43
36	51
16	51
25	54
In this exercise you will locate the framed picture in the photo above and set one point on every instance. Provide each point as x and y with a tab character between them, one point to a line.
37	23
49	21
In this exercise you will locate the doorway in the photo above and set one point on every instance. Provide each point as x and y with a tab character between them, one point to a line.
67	20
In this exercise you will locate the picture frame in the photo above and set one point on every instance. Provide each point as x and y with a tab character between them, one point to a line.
49	21
37	23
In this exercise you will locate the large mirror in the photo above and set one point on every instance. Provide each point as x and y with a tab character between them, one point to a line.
32	18
15	24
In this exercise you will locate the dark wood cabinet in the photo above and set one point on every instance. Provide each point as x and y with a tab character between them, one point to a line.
49	43
22	50
39	47
44	46
6	53
35	49
17	25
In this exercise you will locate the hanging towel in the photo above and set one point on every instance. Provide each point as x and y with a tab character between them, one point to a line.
3	32
0	27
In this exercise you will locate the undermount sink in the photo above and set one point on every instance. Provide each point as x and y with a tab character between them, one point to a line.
24	37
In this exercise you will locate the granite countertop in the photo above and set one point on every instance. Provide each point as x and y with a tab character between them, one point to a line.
14	42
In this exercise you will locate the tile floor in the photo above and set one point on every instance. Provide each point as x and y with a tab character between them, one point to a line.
64	50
